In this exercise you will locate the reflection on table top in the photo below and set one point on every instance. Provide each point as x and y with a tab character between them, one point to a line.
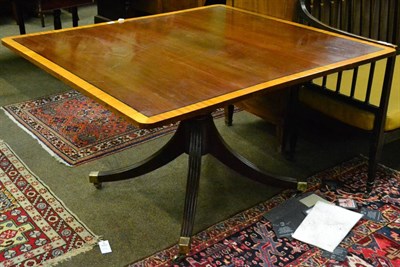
169	67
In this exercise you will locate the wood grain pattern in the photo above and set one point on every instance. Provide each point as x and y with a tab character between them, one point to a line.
169	67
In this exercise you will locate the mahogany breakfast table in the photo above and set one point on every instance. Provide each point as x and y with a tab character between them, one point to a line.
180	67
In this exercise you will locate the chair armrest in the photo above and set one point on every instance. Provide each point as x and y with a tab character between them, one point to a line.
307	18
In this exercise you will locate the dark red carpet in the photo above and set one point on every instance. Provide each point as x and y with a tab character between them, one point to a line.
247	239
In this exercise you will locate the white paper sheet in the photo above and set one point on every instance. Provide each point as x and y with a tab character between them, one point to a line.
326	226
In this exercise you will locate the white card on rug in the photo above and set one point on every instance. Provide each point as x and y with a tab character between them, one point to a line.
326	225
310	200
105	246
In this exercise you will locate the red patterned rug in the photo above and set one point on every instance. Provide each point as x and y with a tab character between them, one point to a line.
76	129
36	228
247	239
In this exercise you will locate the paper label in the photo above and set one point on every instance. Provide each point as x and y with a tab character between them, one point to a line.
105	247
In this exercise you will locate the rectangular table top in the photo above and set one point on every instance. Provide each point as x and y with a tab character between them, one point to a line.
168	67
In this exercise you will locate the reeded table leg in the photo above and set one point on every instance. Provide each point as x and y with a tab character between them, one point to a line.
196	146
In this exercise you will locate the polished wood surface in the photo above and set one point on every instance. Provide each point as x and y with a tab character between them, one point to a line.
166	68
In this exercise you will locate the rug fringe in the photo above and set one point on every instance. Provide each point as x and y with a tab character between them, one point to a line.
87	246
43	145
67	257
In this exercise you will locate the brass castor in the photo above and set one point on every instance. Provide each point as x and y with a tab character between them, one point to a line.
94	180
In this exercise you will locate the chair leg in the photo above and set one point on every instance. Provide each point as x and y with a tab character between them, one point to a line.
75	17
19	16
290	124
377	139
375	151
229	114
57	19
40	12
41	15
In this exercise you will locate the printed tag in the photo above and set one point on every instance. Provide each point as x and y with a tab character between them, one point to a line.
105	247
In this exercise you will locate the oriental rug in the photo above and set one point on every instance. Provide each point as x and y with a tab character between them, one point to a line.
36	228
248	239
76	129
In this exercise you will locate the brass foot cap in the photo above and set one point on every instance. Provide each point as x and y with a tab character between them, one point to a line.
302	186
184	245
93	177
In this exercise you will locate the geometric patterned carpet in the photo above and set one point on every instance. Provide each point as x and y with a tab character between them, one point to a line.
76	129
248	239
36	229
